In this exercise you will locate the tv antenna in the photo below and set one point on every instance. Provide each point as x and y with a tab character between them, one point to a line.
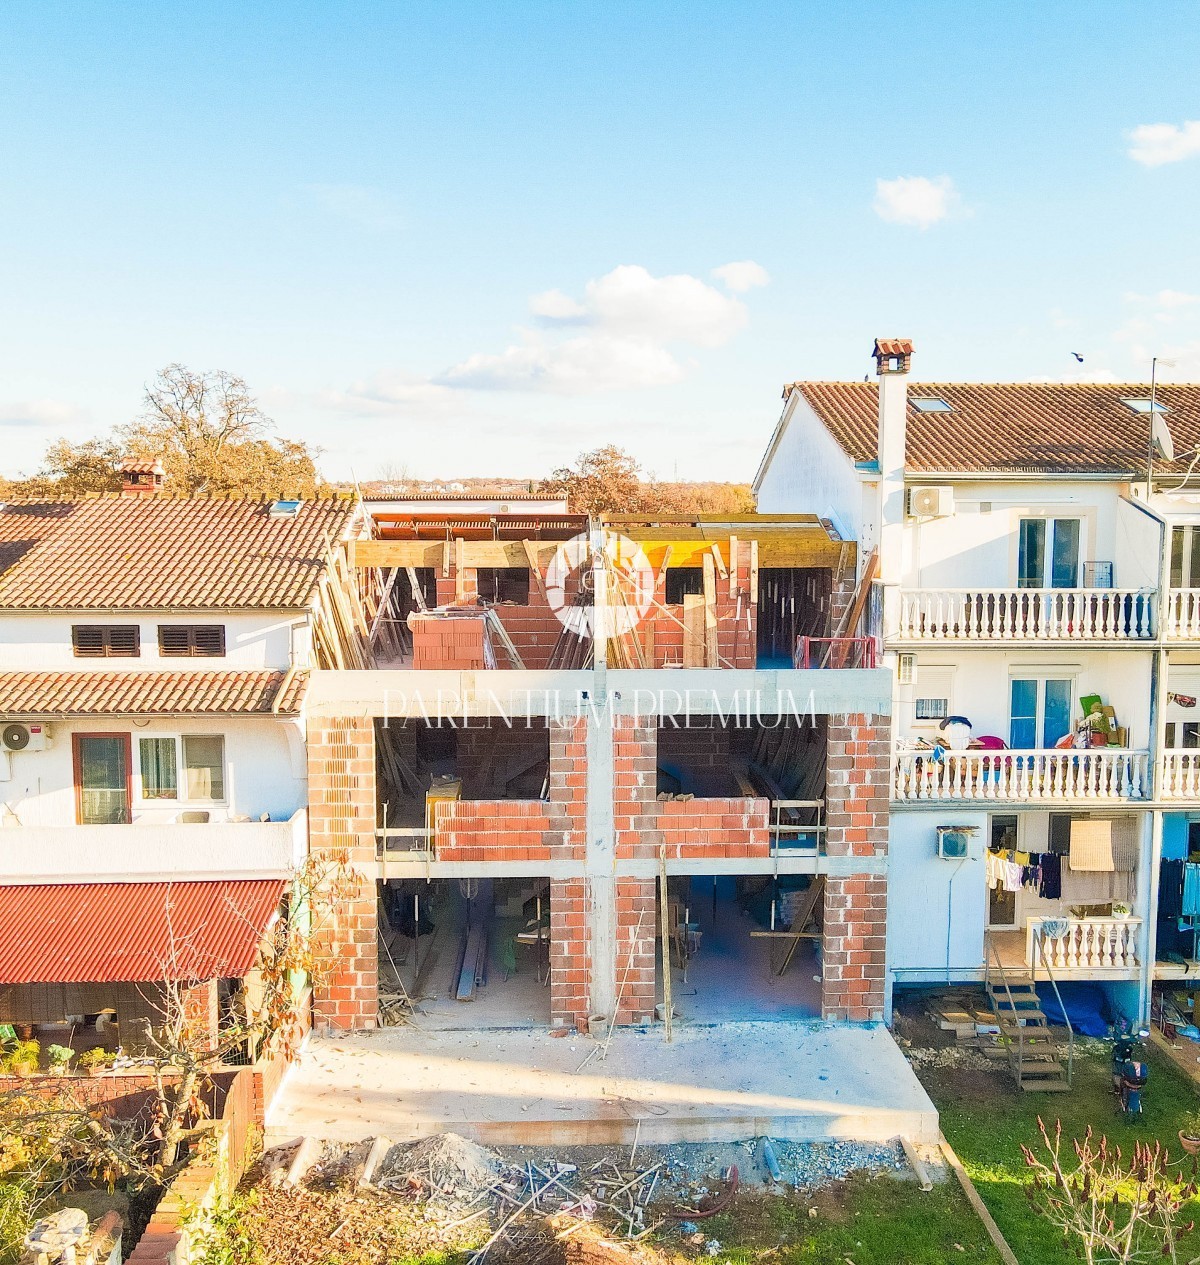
1160	440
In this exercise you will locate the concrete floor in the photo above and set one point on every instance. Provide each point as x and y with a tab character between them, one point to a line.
804	1081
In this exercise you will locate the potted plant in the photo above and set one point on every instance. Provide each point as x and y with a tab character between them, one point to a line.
95	1061
1120	910
59	1056
23	1061
1189	1132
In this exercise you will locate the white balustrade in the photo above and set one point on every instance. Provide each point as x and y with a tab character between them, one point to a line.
1093	773
1179	776
1090	946
1025	615
1182	618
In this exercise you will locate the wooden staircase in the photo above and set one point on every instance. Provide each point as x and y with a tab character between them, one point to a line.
1035	1055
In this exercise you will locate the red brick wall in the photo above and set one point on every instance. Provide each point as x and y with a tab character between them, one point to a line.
200	1012
737	627
854	959
694	828
637	924
635	786
447	644
570	974
341	817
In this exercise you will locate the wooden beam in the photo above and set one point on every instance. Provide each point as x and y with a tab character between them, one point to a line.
661	577
417	592
535	570
719	562
460	570
445	559
733	565
712	654
438	553
754	573
693	630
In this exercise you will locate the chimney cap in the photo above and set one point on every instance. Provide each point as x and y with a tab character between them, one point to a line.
132	465
141	477
892	355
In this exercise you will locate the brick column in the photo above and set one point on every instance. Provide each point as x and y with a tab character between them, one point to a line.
567	836
341	818
570	974
200	1012
854	957
637	925
635	786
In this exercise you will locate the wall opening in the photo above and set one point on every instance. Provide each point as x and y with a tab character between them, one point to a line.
793	602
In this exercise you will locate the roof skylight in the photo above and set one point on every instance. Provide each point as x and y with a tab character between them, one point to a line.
284	509
1144	406
930	404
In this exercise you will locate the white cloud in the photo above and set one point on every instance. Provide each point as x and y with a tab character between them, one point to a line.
40	413
1172	299
363	205
630	324
1153	144
915	200
387	395
742	275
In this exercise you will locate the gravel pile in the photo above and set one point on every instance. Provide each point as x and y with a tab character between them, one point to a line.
446	1169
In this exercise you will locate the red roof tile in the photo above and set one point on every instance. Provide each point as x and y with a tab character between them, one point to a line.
164	552
82	933
48	694
1013	427
893	347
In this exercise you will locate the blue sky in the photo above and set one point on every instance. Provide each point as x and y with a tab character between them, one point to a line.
465	239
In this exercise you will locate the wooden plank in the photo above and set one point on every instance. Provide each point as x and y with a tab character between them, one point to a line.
976	1202
664	914
535	570
854	614
439	553
460	570
712	654
417	592
660	579
754	562
733	565
719	562
445	559
693	630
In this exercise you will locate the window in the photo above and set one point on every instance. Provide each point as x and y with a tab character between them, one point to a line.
1039	711
1048	553
1144	406
101	779
106	641
160	775
204	766
503	584
191	640
683	582
931	708
1185	558
284	509
931	404
1183	736
932	695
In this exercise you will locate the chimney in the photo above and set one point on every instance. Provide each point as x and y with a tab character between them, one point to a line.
893	359
141	478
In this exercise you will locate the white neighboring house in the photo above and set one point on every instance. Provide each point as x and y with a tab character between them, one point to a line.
154	656
1018	570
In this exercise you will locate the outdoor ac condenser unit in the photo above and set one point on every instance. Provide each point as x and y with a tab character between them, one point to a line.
15	736
952	843
933	501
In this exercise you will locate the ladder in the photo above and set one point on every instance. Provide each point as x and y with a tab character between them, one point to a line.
1035	1054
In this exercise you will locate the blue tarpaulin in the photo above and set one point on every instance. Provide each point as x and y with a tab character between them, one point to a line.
1086	1006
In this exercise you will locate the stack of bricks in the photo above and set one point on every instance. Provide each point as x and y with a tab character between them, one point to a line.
696	828
341	820
854	961
448	643
570	969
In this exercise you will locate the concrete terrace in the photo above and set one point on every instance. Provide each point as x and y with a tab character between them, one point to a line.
805	1081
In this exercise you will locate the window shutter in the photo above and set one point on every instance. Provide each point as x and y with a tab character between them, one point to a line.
106	641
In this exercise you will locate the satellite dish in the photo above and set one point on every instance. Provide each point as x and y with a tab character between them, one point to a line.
1160	436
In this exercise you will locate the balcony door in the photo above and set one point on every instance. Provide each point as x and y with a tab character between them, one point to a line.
1048	553
102	792
1039	711
1185	558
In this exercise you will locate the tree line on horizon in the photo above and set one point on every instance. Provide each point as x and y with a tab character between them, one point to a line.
212	437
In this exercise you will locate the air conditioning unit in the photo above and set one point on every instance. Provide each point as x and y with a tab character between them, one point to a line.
16	736
931	502
953	842
906	669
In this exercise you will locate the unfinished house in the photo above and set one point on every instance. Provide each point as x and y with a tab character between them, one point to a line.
154	657
606	770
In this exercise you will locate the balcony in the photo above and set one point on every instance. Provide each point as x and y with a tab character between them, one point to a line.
1091	949
1179	775
1181	619
1002	615
1099	774
75	854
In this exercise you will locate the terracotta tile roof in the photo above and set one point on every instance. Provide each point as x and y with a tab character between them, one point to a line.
63	694
1013	427
83	933
893	347
164	552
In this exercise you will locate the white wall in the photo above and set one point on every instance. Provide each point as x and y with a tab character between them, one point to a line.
980	689
923	924
252	642
977	544
808	473
264	771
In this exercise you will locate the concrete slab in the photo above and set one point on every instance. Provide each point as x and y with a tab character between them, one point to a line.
804	1081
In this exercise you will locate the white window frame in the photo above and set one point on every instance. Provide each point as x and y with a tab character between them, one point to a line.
932	681
1041	675
1051	517
181	801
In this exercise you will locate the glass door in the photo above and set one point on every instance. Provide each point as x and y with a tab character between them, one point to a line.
102	779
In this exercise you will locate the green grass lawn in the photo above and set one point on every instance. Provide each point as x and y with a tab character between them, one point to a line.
986	1118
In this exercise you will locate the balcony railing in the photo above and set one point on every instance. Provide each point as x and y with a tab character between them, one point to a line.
834	652
1091	947
1025	615
1098	773
1179	775
1181	620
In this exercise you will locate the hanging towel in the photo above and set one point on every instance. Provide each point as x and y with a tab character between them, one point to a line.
1170	890
1051	885
995	870
1012	876
1021	858
1092	844
1191	890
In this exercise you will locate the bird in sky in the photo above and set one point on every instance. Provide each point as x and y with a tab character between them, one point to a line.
1077	356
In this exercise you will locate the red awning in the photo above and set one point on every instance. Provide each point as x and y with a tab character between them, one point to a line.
91	933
